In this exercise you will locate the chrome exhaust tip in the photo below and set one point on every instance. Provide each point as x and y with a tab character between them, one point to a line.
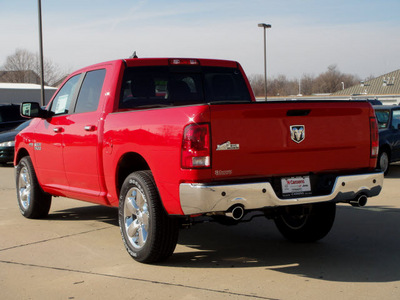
359	201
236	212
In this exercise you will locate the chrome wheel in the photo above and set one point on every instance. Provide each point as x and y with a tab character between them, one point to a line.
33	202
24	188
136	218
148	233
384	162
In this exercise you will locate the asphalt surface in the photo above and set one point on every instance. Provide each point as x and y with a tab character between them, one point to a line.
77	253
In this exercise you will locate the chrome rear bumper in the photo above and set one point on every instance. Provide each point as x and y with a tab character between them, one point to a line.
202	198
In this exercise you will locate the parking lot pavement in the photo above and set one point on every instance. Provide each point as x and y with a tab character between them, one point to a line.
77	253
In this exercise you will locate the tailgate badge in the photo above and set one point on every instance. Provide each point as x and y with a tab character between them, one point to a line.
298	133
227	146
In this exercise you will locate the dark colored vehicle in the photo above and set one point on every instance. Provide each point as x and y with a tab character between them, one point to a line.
10	116
7	143
389	135
374	102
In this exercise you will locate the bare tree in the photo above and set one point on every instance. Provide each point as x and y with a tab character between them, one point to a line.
277	86
331	81
257	84
24	66
328	82
307	83
281	86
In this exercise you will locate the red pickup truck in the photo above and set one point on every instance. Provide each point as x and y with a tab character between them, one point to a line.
170	140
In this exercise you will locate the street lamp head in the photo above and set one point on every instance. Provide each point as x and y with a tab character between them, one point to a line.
264	25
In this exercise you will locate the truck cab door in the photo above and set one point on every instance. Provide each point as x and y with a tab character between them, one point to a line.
48	141
82	142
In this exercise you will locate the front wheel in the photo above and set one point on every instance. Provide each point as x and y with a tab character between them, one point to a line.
306	223
33	202
148	233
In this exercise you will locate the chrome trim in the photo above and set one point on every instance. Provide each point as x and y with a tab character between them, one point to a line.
198	198
228	146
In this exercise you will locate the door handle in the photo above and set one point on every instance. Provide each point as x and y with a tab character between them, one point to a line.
90	128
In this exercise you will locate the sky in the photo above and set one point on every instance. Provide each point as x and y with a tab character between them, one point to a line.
360	37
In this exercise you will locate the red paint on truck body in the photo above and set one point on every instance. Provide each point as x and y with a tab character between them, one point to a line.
82	155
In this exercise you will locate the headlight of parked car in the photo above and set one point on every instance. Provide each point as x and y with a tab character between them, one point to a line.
7	144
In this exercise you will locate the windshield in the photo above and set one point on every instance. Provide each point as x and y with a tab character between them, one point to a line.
158	86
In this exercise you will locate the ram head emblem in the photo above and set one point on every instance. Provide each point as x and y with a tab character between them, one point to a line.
297	133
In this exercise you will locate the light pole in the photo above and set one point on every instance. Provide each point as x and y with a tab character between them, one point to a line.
42	99
265	26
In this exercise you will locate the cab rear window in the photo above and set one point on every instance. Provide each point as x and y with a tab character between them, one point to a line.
166	86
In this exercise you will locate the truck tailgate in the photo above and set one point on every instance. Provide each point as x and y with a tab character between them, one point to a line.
289	138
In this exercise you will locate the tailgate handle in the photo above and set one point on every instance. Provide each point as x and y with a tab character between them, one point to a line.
298	112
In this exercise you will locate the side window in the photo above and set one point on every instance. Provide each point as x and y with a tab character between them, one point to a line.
383	118
396	119
10	113
62	101
89	95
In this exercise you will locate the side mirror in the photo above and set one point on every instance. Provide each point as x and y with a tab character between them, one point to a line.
32	110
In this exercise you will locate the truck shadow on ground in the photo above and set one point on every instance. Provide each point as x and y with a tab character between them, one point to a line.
99	213
394	171
363	246
9	165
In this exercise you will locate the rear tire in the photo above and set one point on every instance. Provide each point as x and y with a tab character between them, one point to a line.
383	162
33	202
148	233
306	223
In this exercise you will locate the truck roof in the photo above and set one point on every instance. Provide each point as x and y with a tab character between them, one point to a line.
180	61
137	62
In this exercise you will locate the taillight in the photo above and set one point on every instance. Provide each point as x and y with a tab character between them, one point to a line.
374	137
196	148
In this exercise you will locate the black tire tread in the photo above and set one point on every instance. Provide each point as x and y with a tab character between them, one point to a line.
40	201
164	235
317	226
166	229
379	161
